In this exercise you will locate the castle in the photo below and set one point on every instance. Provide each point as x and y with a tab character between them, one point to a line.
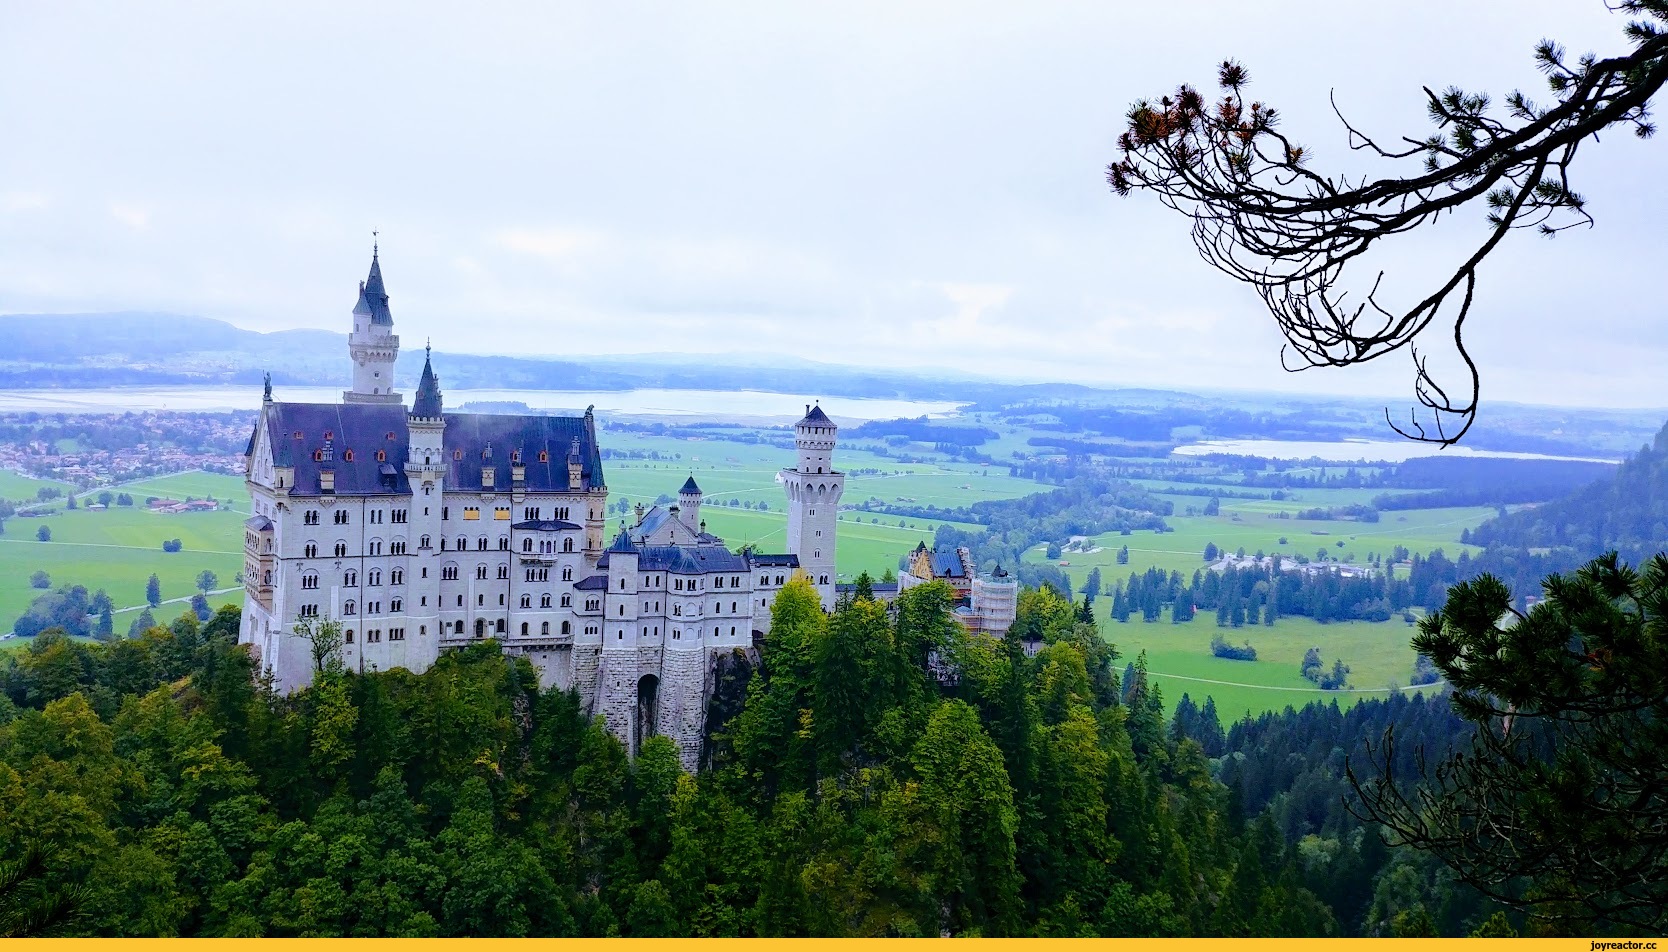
419	530
985	604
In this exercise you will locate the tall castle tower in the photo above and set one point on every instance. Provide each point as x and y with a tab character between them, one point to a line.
373	344
814	491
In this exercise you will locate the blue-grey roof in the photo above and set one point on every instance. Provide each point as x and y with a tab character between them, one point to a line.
592	583
373	297
879	588
545	525
815	417
689	486
622	546
767	558
946	563
427	402
257	522
685	559
298	430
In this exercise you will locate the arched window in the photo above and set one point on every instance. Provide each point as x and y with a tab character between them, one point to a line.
544	600
544	456
527	545
524	629
347	637
567	544
567	575
480	627
544	627
500	626
567	627
347	456
348	607
526	602
382	456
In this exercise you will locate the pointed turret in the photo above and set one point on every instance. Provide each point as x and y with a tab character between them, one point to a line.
372	344
427	403
623	544
689	501
373	297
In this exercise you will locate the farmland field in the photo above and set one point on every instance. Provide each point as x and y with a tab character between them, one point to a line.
18	487
117	549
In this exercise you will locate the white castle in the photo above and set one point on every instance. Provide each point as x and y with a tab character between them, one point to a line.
421	530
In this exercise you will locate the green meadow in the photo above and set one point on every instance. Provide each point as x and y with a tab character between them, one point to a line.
1378	654
117	549
20	488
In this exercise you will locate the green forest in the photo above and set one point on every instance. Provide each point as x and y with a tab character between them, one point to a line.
880	773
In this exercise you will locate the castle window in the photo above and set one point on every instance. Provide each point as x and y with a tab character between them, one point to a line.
350	578
462	543
309	581
503	571
310	550
544	456
445	513
567	601
449	573
318	456
311	518
422	629
515	456
389	436
396	577
544	600
501	513
481	544
567	574
347	636
457	454
567	628
500	626
381	456
423	542
341	550
524	627
396	634
348	607
480	571
347	456
544	627
298	434
471	513
396	605
340	517
567	544
503	543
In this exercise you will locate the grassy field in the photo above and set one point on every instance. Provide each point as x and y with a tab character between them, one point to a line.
117	549
1179	658
18	487
1378	654
1251	525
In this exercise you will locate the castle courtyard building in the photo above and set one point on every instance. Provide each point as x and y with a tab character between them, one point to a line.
419	530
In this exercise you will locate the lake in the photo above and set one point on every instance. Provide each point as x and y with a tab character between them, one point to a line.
1349	451
705	404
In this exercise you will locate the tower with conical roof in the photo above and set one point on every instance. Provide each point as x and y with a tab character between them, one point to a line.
689	503
372	344
814	489
426	469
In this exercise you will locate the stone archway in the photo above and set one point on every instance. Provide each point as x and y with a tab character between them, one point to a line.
648	702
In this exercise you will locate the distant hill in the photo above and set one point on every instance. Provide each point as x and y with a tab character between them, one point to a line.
132	348
1627	512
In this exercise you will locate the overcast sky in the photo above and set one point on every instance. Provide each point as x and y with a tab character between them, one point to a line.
890	184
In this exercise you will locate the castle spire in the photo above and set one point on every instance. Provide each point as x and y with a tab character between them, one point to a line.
427	403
